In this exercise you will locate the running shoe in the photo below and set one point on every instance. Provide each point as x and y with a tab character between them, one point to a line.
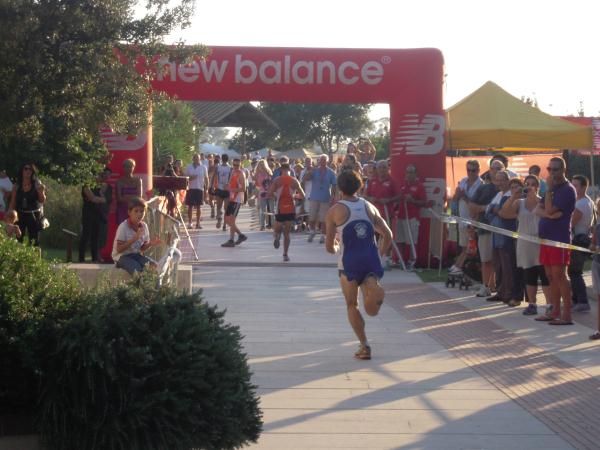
286	258
276	242
240	239
322	239
311	236
531	310
229	243
581	307
363	352
218	223
454	270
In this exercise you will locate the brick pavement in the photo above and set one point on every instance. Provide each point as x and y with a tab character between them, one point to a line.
560	395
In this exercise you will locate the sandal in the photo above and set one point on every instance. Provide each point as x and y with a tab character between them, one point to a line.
595	336
560	322
544	318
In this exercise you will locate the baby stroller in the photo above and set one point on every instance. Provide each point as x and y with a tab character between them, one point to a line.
471	271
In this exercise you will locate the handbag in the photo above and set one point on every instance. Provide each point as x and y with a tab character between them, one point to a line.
42	222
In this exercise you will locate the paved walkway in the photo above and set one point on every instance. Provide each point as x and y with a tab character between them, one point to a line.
448	371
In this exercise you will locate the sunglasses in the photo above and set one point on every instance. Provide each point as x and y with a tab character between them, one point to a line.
553	169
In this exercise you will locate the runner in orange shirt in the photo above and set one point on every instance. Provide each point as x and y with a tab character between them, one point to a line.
283	189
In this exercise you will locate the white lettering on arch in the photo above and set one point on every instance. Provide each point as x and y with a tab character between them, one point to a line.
342	72
308	72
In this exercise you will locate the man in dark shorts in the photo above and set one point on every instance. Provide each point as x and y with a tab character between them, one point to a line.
283	189
236	188
223	175
194	197
555	211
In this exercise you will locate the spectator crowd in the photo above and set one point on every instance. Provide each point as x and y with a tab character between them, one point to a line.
555	210
295	195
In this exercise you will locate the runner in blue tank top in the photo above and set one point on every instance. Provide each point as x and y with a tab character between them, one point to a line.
355	221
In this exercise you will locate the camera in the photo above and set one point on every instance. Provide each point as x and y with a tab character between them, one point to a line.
525	191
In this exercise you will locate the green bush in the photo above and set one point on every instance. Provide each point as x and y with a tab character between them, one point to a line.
145	368
63	210
127	367
35	301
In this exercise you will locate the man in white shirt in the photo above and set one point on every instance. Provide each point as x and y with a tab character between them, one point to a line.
6	187
203	160
581	224
194	198
306	184
464	192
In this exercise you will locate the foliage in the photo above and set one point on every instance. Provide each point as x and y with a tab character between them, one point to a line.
214	135
382	145
145	368
252	140
63	210
174	132
304	124
580	165
35	300
126	367
61	77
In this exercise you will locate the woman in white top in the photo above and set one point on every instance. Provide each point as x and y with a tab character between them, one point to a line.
520	206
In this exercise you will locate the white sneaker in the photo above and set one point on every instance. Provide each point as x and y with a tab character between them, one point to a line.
455	270
484	291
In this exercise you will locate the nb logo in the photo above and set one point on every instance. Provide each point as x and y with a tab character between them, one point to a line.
435	188
117	142
419	136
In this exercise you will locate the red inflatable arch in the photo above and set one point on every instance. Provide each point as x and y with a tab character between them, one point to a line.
410	81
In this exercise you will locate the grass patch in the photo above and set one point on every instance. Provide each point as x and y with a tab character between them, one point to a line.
431	275
54	254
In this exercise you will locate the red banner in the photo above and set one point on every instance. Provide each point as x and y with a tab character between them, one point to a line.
410	81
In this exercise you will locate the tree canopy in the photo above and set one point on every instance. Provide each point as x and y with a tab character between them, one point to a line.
304	124
61	78
174	132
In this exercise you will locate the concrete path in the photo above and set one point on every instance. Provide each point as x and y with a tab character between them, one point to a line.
432	383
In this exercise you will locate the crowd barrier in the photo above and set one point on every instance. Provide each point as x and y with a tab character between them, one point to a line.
440	219
166	228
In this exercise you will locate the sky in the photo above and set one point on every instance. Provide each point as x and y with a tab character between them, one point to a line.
547	50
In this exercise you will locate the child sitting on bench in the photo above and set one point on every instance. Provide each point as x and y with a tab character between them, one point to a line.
133	239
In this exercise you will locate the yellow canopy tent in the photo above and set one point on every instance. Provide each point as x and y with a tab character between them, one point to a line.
492	118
